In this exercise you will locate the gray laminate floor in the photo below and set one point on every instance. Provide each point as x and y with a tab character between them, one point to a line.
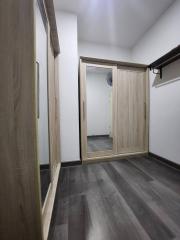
130	199
99	143
45	181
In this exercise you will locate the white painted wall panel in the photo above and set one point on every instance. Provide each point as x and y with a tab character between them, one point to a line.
99	107
68	74
164	100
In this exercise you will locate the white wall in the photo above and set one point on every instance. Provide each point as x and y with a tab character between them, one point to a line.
164	104
164	100
41	57
94	50
68	73
98	104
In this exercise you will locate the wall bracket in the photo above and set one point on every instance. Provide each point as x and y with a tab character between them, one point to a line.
165	60
157	71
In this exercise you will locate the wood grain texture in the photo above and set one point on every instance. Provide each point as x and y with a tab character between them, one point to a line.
54	133
52	106
53	26
83	106
117	200
53	90
57	114
131	110
123	113
83	122
20	211
111	62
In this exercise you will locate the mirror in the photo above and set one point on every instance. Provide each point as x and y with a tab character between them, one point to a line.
99	84
42	103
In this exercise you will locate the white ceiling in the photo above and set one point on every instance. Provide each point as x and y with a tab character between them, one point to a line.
114	22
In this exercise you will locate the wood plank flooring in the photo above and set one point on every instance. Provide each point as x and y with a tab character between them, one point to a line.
136	198
99	143
45	181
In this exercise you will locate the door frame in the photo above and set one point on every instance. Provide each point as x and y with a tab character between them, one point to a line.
83	110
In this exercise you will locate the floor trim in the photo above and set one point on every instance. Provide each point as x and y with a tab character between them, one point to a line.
165	161
113	157
71	164
44	166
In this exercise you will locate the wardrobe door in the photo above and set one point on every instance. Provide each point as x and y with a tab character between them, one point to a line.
131	122
98	110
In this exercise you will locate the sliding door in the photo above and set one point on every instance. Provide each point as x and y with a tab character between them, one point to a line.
42	97
131	110
98	105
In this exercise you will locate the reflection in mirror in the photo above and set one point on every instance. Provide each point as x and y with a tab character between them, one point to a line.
99	108
42	103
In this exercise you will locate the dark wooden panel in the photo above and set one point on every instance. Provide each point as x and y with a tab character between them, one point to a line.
146	217
114	216
117	200
59	221
20	211
159	198
78	221
164	174
132	171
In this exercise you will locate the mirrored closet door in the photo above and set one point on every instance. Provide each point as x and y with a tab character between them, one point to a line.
99	102
42	101
114	109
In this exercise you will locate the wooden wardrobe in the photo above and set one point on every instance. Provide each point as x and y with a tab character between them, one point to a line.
21	213
129	109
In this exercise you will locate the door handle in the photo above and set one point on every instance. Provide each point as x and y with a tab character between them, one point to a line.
83	111
145	110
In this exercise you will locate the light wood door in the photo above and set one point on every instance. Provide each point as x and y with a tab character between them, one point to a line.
131	109
54	122
98	110
20	210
